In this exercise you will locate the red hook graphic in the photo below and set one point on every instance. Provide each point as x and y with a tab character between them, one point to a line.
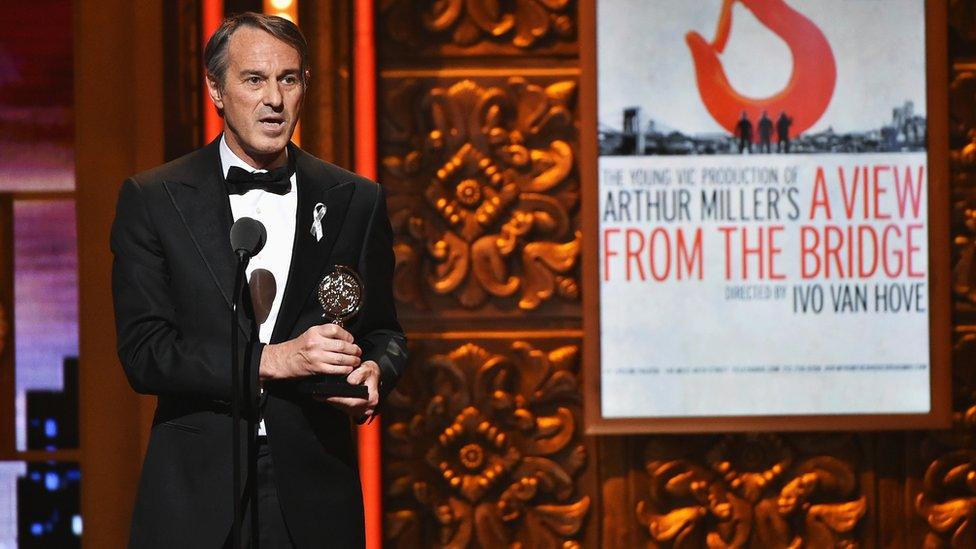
806	95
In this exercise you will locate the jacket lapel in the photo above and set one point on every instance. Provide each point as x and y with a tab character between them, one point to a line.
201	200
309	256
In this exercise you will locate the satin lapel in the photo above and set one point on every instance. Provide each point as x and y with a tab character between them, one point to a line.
309	256
203	206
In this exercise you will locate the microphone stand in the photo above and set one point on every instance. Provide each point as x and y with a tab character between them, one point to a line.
235	379
252	409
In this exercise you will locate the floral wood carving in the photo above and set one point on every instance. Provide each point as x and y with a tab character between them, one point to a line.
752	491
948	500
464	23
485	192
483	450
964	392
962	117
964	247
962	109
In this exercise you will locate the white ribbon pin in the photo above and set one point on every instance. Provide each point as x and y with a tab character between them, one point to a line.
317	214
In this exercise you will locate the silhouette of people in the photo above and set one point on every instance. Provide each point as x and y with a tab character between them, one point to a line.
783	124
743	130
765	133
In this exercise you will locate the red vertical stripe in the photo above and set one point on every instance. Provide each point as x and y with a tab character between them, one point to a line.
364	88
212	14
364	124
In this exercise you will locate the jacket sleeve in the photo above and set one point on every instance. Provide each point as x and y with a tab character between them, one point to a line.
159	357
382	338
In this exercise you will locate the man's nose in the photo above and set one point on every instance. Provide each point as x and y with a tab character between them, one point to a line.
273	96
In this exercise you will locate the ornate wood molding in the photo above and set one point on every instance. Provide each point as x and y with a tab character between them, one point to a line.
962	106
946	499
479	26
483	448
484	192
762	490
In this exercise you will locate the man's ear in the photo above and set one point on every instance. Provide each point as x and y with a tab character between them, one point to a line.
213	89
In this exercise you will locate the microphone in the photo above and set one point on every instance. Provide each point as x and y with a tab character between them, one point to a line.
247	237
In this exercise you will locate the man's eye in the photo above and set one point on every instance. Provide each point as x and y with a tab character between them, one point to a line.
254	80
290	80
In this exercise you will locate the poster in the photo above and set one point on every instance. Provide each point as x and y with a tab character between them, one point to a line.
763	199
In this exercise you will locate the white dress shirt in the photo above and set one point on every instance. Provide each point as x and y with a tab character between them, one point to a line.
277	214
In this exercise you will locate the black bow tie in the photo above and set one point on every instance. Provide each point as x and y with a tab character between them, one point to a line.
277	181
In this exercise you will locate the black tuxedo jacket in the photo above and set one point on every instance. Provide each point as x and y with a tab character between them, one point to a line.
172	281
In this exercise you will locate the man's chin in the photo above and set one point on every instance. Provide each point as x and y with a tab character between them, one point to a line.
268	147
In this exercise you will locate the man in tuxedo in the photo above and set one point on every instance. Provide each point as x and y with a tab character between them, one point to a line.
173	279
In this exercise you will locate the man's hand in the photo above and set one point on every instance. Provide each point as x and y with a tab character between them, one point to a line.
325	349
360	409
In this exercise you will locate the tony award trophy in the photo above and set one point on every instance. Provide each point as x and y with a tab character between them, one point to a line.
341	295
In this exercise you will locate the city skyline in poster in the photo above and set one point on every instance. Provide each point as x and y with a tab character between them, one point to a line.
866	42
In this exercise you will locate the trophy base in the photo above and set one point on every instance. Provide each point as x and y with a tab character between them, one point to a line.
330	385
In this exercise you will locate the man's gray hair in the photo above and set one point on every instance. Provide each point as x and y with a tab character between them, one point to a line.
215	54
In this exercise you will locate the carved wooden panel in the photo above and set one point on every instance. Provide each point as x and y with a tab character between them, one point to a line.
477	27
945	495
484	195
483	446
753	490
962	109
942	486
759	487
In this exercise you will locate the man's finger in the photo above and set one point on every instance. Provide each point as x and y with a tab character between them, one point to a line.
374	391
327	368
357	376
338	359
334	331
338	346
348	402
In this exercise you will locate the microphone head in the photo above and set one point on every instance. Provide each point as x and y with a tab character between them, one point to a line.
247	237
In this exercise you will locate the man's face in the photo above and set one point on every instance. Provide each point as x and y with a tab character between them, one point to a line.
261	95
